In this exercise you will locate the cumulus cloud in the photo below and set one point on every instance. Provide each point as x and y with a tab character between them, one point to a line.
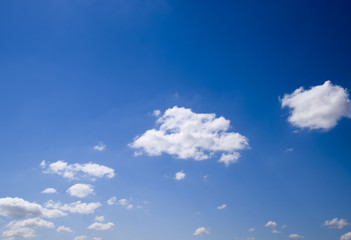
49	191
99	147
252	230
180	175
76	170
275	231
80	190
82	237
336	223
63	229
346	236
20	208
223	206
185	134
24	228
125	203
101	226
296	236
201	231
75	207
112	201
320	107
271	224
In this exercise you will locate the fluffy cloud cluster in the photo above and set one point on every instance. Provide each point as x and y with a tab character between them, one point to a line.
99	147
185	134
19	208
201	231
24	228
76	170
319	107
336	223
63	229
75	207
101	226
80	190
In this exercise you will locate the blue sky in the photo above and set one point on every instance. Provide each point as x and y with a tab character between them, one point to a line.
252	150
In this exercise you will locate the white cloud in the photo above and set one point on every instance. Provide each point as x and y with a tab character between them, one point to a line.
129	206
76	170
156	113
320	107
19	208
125	203
180	175
275	231
296	236
229	158
99	218
24	228
99	147
346	236
252	230
201	231
185	134
49	191
223	206
82	237
63	229
75	207
336	223
80	190
112	201
97	238
101	226
271	224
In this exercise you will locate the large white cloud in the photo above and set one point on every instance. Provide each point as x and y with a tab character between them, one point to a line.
80	190
20	208
336	223
319	107
24	228
201	231
75	207
346	236
76	170
101	226
185	134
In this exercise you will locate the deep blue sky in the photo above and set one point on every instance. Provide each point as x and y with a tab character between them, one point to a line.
74	73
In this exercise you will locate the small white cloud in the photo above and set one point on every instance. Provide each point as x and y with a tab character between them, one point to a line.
275	231
49	191
99	147
76	170
188	135
320	107
295	235
101	226
63	229
252	230
336	223
80	190
129	206
82	237
43	164
289	150
112	201
205	177
75	207
99	218
271	224
223	206
156	113
230	158
123	201
201	231
180	175
346	236
97	238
